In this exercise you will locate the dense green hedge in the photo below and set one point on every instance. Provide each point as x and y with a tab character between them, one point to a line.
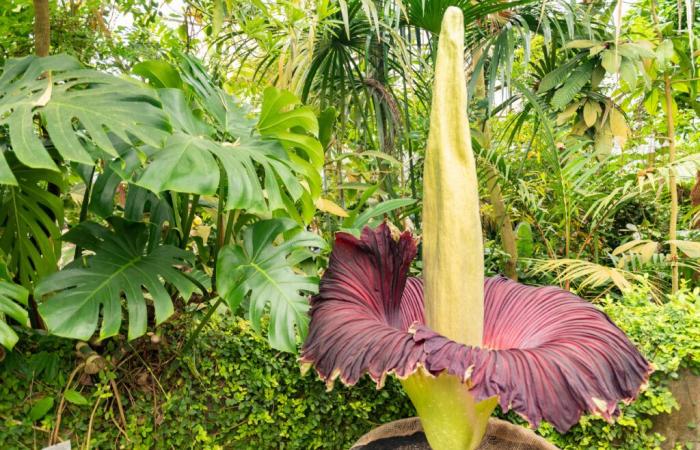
234	392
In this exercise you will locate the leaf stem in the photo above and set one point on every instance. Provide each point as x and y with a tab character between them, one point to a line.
84	209
202	323
188	221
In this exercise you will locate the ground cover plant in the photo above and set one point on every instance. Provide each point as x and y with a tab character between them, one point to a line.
172	175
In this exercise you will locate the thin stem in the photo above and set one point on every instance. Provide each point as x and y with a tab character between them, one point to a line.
671	136
230	224
188	221
59	412
202	323
176	210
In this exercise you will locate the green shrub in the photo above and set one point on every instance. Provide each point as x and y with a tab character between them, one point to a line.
235	392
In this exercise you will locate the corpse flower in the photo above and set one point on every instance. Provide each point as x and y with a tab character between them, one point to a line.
459	343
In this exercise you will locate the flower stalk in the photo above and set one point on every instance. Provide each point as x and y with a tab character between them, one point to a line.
453	262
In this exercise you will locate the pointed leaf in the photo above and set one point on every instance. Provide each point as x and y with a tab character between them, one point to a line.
41	408
611	61
618	124
329	206
28	219
75	397
591	109
13	300
690	248
581	43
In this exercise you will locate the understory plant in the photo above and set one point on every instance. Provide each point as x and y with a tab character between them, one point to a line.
460	344
124	201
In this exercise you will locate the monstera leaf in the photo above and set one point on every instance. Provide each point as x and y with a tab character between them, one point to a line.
13	299
190	162
265	271
29	229
279	119
122	267
65	96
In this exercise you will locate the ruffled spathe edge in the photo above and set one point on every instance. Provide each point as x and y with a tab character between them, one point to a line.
546	353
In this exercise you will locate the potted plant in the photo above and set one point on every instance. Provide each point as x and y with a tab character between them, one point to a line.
459	343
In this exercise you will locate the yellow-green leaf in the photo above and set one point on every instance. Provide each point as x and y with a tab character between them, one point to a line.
690	248
611	61
217	17
590	112
603	143
569	112
596	49
329	206
618	124
41	408
581	43
651	103
75	397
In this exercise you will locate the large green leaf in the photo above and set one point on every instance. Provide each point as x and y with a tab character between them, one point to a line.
122	267
264	270
68	99
13	299
29	232
279	120
260	175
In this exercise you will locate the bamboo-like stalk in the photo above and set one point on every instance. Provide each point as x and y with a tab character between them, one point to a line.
671	134
453	261
501	216
505	226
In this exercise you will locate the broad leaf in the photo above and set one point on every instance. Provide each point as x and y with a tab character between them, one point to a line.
524	240
611	61
260	175
67	96
690	248
13	299
279	120
591	110
41	408
265	271
29	232
122	267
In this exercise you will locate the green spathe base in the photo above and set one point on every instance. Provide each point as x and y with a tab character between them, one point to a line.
451	418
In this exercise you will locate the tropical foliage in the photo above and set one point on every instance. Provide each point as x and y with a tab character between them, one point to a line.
172	164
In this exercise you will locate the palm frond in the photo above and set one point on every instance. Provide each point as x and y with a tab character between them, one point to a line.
589	275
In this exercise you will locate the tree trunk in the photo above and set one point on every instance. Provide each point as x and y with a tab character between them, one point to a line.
42	27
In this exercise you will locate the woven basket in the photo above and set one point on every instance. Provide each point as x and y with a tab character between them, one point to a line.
407	434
